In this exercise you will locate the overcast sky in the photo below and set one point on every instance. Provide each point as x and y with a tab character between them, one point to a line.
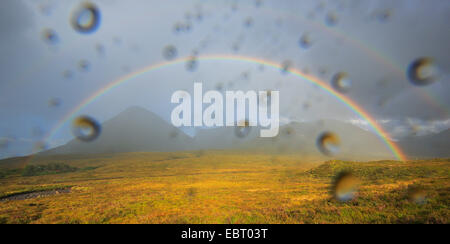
374	42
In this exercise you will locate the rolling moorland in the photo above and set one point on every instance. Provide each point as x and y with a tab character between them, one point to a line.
218	187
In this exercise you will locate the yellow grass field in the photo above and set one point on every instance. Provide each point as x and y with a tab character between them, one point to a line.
222	187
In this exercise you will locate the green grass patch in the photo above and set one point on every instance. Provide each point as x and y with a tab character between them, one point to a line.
49	169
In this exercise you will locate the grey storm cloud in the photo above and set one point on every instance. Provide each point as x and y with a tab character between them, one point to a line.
15	18
372	41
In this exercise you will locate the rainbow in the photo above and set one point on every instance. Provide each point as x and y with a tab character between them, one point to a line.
358	110
372	52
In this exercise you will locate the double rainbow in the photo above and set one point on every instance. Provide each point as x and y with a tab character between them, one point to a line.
358	110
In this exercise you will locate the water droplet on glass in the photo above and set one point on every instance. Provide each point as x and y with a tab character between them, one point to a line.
86	128
417	195
50	36
234	7
289	131
192	64
46	9
331	19
383	15
235	47
39	147
170	52
199	17
187	27
86	18
286	66
248	22
305	41
83	65
242	131
100	49
323	71
67	74
178	27
345	186
328	143
423	71
306	105
341	82
54	102
219	86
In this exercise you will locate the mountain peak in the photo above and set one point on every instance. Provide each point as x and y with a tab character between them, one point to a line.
136	109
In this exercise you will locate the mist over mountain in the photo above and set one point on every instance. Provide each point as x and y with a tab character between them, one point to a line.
355	143
433	145
133	130
139	130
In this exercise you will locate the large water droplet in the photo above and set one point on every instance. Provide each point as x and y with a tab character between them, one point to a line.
423	72
86	18
341	82
417	195
328	143
345	186
86	128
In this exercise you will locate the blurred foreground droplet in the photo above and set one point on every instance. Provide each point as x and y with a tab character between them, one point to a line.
345	186
305	41
417	195
423	72
248	22
39	147
328	143
341	82
191	64
86	18
286	66
84	65
331	19
86	128
67	74
242	131
54	102
50	36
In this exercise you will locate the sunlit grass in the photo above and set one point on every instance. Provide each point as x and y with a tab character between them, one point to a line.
226	187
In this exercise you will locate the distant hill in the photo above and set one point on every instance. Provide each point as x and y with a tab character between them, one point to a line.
134	130
139	130
433	145
356	143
